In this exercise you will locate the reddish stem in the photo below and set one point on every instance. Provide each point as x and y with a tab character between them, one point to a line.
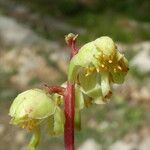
72	45
69	117
55	89
69	98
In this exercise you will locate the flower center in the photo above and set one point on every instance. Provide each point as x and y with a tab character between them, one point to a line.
107	64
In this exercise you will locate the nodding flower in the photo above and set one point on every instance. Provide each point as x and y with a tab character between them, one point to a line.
34	109
96	66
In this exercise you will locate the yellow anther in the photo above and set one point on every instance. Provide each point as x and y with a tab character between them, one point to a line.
102	65
115	70
87	74
87	71
103	55
119	67
91	69
97	69
110	61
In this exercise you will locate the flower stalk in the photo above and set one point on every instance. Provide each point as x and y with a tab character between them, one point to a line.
69	97
69	111
55	89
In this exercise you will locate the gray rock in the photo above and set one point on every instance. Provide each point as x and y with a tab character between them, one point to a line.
120	145
90	144
145	144
142	59
20	137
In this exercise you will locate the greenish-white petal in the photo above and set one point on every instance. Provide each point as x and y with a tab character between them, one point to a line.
35	103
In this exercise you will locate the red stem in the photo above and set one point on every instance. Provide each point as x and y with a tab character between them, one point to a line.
72	45
69	98
69	117
55	89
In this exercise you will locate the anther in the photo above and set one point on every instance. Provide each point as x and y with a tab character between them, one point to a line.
91	69
87	74
103	55
119	67
102	65
97	69
115	70
110	61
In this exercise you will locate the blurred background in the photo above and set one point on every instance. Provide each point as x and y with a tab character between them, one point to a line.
33	52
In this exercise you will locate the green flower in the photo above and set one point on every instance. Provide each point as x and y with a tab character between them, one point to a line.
96	66
33	109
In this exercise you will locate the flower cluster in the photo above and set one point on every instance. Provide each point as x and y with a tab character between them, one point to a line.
93	70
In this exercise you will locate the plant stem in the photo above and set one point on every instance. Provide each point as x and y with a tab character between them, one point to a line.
55	89
69	97
69	116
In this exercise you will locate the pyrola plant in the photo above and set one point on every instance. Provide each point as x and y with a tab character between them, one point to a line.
91	72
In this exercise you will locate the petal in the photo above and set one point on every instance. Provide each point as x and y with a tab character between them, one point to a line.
59	120
105	85
34	103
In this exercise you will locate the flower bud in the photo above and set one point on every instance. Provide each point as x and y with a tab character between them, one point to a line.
31	105
31	110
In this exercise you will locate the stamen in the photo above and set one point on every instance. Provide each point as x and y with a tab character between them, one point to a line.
115	70
87	74
110	61
91	69
119	67
98	70
103	55
102	65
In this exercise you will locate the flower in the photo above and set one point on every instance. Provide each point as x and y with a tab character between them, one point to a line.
34	109
96	66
